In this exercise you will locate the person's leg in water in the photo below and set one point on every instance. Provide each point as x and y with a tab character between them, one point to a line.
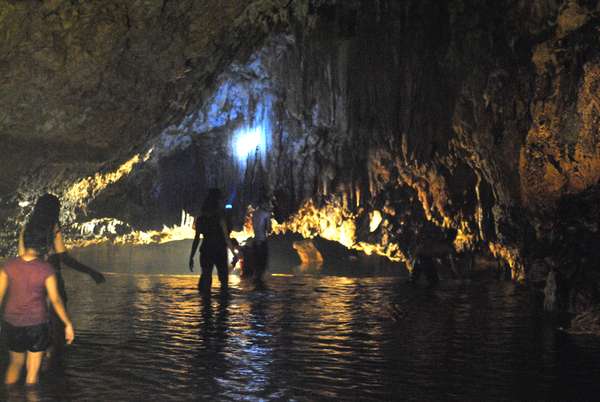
261	255
416	271
27	346
222	270
15	366
34	362
247	261
206	265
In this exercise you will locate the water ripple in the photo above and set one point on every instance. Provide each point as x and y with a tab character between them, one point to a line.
154	338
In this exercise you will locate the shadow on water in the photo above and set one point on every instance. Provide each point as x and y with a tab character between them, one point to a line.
310	336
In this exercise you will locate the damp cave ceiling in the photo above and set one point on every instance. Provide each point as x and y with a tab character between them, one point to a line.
86	82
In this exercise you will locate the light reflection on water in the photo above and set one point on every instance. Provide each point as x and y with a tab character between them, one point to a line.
305	338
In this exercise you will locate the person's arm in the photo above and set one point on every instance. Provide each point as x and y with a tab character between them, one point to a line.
194	246
59	244
3	285
21	242
71	262
226	235
61	252
59	307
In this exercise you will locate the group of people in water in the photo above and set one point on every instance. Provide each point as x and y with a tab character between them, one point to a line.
214	227
35	321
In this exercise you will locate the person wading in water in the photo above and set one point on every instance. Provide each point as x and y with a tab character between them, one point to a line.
261	224
215	240
27	280
45	217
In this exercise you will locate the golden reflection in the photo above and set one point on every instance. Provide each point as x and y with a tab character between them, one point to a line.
144	300
308	253
234	280
182	311
334	310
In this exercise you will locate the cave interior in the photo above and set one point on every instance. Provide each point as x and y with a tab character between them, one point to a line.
480	119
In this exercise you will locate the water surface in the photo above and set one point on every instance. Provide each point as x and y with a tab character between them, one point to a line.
310	336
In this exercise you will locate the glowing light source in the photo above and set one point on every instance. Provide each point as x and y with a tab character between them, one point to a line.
248	140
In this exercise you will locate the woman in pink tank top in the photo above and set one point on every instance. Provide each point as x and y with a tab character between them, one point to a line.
45	215
27	281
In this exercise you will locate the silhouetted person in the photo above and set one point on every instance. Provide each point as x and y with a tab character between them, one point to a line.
261	224
45	217
428	252
27	280
425	264
215	240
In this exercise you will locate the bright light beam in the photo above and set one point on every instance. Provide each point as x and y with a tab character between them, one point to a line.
247	140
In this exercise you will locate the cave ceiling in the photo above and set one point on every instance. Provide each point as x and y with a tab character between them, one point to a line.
87	82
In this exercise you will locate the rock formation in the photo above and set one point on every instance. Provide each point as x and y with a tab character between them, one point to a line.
481	116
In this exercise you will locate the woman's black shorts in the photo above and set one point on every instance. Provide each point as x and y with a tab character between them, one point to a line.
34	338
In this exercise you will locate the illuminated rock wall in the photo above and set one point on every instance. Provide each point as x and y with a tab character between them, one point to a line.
477	116
85	85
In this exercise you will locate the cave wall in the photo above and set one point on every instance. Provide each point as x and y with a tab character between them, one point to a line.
477	116
85	85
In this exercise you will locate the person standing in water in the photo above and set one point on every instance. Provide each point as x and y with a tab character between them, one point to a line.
27	280
215	240
45	218
261	224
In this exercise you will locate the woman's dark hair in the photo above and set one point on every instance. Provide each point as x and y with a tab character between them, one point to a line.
212	202
39	230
